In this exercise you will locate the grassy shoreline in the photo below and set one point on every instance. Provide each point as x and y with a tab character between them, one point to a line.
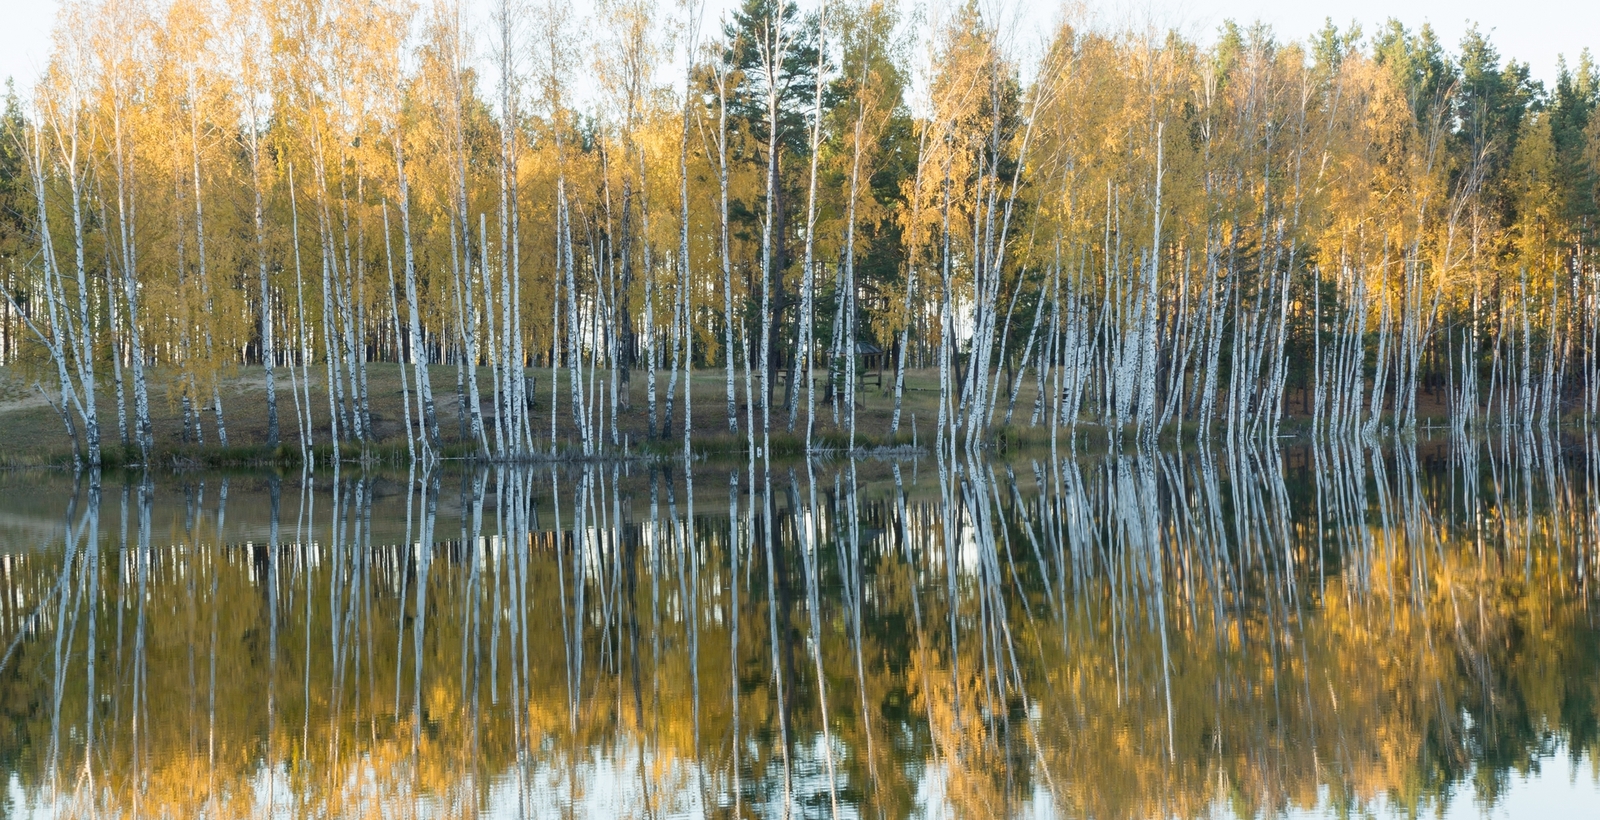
32	434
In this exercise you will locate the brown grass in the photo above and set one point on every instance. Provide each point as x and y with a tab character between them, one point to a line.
32	434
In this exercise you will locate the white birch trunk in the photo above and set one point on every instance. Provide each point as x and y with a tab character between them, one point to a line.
306	432
394	315
126	218
727	257
428	418
808	286
772	56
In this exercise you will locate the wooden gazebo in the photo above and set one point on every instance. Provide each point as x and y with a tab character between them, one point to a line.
872	362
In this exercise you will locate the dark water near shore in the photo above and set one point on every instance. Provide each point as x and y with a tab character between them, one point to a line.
1311	632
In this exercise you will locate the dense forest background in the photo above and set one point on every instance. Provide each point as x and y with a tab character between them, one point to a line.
1367	229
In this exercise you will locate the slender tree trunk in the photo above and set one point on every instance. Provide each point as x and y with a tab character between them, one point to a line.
419	352
59	341
686	281
849	291
200	247
84	327
574	353
727	257
394	315
306	433
677	351
268	344
114	324
803	349
126	216
772	51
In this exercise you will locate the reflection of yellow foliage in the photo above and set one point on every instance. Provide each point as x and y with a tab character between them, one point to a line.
1426	649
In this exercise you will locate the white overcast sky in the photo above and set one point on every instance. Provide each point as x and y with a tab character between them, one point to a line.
1533	31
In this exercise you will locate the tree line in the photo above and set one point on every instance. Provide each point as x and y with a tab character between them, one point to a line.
1117	228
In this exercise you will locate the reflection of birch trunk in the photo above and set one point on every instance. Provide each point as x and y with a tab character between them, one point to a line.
689	549
734	524
92	641
140	718
211	655
275	488
855	588
924	653
807	521
767	536
68	599
419	613
567	625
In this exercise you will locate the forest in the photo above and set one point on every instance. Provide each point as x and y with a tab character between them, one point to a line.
1357	233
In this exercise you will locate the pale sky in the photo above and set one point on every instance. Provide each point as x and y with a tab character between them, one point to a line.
1534	31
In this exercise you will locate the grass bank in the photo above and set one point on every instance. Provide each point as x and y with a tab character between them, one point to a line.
32	433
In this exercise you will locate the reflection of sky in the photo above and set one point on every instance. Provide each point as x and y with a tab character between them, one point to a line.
1560	788
609	787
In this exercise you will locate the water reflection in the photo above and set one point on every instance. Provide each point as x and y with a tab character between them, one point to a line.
1333	629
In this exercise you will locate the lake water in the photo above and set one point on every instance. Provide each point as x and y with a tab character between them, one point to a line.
1404	630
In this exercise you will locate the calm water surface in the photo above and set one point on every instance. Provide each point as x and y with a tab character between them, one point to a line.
1312	632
